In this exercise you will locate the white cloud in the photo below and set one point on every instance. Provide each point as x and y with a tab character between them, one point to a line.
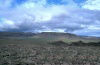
94	27
7	24
70	3
92	4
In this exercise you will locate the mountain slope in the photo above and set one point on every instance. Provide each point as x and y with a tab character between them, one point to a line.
44	37
66	37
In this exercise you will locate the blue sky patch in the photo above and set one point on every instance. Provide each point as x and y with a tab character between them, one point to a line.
79	1
17	2
56	2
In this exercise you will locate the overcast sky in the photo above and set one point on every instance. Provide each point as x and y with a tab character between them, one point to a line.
80	17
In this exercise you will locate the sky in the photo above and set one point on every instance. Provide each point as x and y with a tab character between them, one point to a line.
81	17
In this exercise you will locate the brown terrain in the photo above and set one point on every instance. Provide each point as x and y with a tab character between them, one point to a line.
38	50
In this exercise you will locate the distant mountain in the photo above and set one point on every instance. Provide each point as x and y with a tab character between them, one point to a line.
16	34
64	35
55	36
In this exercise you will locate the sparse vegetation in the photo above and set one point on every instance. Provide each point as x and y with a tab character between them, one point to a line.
50	55
48	51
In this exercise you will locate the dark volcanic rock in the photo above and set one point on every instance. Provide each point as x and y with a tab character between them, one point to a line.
59	43
80	43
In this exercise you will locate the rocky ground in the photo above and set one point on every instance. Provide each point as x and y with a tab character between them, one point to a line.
49	55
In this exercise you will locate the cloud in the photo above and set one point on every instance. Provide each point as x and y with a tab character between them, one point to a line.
92	4
88	32
8	23
5	4
38	16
